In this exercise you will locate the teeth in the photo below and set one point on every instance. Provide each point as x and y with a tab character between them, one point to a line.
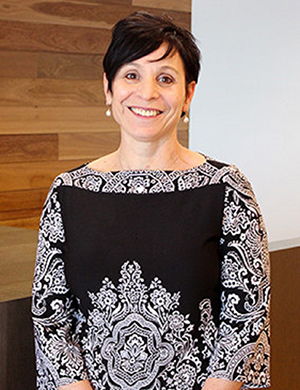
142	112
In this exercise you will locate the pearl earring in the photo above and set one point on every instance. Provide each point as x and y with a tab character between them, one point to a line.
186	119
108	111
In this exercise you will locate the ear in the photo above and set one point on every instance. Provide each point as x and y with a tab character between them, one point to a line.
107	92
189	95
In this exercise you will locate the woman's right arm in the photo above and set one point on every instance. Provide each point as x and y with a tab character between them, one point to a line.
59	360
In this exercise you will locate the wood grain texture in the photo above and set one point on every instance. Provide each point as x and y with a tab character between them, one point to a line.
23	222
52	113
183	137
48	127
45	92
52	38
18	64
87	145
17	148
16	215
178	5
69	66
37	175
90	14
12	201
18	256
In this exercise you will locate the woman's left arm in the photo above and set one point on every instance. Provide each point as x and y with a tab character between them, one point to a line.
241	354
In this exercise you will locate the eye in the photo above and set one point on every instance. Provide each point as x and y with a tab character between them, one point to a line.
164	79
131	76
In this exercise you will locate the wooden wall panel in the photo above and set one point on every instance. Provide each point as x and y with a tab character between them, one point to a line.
69	66
22	208
52	114
87	145
47	92
22	220
34	127
52	38
29	147
22	200
178	5
27	176
14	64
52	107
98	14
18	64
183	137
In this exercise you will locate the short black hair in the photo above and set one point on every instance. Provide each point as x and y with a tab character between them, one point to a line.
140	34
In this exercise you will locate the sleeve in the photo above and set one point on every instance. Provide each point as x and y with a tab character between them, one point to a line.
242	350
58	355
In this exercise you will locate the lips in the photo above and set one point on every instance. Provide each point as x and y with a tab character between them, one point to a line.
148	113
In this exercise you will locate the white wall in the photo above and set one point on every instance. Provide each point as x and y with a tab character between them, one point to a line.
247	106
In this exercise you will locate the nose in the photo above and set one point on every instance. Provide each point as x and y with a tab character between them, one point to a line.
148	89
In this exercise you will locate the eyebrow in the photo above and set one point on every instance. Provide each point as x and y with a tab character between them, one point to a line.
164	67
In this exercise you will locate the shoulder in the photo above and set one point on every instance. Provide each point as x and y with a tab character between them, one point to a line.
72	178
230	175
69	178
226	172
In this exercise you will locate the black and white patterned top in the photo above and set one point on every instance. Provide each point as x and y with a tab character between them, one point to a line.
151	280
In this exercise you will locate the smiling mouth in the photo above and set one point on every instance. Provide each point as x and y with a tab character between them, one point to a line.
145	113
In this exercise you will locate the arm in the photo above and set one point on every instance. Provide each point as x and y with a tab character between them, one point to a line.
221	384
58	353
242	350
81	385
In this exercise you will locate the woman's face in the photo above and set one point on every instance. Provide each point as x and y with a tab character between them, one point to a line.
148	96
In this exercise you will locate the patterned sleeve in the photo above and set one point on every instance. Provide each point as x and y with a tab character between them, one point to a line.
242	351
58	355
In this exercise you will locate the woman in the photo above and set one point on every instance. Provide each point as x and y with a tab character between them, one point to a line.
152	266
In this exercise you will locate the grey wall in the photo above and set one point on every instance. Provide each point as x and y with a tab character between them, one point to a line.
247	106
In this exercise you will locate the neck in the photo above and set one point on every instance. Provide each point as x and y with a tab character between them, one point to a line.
165	155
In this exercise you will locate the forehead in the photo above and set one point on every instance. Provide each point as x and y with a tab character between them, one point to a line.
156	59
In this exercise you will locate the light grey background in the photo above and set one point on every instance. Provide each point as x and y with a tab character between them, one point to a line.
247	107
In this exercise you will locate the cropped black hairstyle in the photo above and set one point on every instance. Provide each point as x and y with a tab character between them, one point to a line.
140	34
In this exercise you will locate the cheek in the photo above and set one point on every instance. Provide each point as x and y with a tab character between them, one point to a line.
177	101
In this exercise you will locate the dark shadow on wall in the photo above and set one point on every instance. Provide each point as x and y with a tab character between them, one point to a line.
17	361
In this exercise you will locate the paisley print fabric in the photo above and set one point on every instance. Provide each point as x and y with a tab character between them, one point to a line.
165	323
143	339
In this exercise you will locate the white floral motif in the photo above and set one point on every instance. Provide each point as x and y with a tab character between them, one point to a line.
185	378
138	185
91	183
208	328
63	347
143	340
188	181
133	354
